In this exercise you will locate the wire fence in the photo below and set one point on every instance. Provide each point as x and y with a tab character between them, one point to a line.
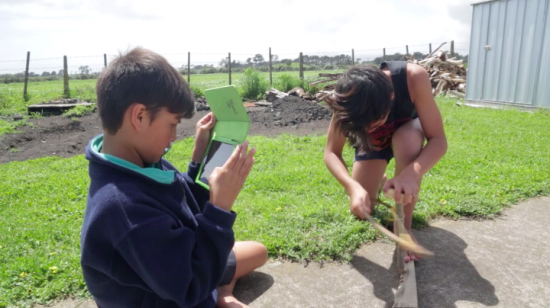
89	66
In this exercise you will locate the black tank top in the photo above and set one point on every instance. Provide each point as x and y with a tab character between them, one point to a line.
403	109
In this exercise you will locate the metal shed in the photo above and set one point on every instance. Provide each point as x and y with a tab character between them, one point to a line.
509	61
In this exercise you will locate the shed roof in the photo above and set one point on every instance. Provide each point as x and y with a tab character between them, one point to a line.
483	2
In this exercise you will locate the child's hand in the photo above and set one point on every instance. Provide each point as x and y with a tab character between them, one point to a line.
406	188
226	182
202	136
359	202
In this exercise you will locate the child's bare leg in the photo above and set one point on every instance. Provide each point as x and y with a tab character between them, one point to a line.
370	174
407	144
249	256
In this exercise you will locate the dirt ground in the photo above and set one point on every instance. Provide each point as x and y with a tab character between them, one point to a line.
65	137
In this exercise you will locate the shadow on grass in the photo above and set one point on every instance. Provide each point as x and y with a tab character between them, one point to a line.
442	281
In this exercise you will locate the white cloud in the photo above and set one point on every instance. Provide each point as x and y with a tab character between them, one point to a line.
210	29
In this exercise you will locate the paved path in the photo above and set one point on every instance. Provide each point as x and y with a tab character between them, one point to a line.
491	263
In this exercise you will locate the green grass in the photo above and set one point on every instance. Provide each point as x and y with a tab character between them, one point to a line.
79	111
6	127
290	202
12	102
11	95
10	127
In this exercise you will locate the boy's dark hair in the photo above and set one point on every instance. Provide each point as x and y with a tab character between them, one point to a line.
141	76
362	96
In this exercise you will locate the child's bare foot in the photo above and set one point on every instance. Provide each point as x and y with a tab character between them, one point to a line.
226	298
411	255
230	302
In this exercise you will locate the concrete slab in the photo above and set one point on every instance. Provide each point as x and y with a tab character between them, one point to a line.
491	263
72	303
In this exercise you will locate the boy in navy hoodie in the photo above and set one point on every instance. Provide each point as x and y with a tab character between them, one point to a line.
151	236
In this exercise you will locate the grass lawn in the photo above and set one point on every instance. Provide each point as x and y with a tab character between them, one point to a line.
11	95
290	203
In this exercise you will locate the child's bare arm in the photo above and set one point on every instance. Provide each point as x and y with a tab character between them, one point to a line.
359	198
430	118
333	156
432	125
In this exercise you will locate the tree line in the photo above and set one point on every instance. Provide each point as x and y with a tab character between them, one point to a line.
84	72
310	62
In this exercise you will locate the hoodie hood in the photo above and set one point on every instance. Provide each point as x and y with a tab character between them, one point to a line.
155	172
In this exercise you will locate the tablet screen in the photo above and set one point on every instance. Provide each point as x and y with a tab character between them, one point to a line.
217	156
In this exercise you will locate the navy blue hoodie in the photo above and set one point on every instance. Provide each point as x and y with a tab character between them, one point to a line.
150	236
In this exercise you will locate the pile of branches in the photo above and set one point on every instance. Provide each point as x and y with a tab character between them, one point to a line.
447	75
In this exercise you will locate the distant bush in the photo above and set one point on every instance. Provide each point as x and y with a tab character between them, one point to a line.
77	77
286	82
210	70
11	79
309	89
282	68
252	85
183	72
197	91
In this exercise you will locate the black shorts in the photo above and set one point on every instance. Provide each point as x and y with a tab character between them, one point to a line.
230	269
385	153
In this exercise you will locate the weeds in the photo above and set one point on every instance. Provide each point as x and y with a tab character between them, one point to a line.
197	92
286	82
10	127
85	93
252	86
79	111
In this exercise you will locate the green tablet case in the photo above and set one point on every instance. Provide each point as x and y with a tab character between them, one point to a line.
232	121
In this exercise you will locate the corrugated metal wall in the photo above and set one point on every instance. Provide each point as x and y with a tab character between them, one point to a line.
509	60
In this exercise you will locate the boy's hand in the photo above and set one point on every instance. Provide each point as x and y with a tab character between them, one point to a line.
202	136
226	182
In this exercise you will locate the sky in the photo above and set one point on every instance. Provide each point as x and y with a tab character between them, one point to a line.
84	30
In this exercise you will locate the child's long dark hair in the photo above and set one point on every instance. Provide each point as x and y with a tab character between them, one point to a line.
361	97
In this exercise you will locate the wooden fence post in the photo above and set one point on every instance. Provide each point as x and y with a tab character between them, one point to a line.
65	77
229	68
189	67
270	69
452	49
384	54
352	56
407	46
301	66
25	96
105	59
